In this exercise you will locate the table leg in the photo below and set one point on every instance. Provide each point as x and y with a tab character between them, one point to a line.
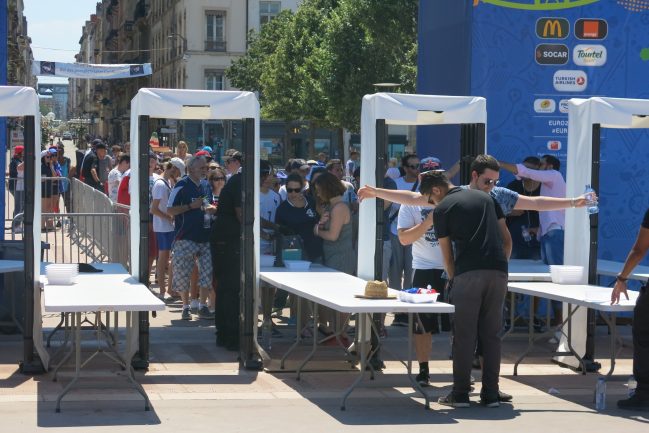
569	338
76	329
298	333
129	367
530	340
315	341
69	328
414	383
613	331
362	325
58	326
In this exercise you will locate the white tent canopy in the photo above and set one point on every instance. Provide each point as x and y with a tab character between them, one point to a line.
18	102
582	115
401	109
187	105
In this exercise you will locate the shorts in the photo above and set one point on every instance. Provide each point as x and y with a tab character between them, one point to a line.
164	240
423	278
185	254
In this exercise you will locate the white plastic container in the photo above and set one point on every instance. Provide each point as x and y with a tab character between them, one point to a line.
417	298
61	274
297	265
564	274
266	260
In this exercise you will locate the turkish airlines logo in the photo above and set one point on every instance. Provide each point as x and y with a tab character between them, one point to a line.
551	54
552	28
570	81
591	28
589	55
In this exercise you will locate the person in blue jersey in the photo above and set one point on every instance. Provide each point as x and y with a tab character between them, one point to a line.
188	205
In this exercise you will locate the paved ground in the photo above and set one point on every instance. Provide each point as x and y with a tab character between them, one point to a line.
195	385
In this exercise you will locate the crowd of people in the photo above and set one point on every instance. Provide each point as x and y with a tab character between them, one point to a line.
457	240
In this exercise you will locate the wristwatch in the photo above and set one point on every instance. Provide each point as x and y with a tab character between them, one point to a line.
619	277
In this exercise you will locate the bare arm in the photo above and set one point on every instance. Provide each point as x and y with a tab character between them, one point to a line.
508	166
410	235
339	214
638	251
451	172
544	203
155	210
393	195
177	210
447	253
507	237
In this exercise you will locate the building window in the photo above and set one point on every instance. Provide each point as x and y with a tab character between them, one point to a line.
215	40
268	10
214	80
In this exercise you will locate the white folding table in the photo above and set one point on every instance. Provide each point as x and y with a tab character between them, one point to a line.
113	290
336	290
576	296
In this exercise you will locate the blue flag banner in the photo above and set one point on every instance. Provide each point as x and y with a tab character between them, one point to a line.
87	70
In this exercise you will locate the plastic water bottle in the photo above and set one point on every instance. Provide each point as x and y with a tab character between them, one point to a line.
600	394
525	233
592	205
631	385
207	218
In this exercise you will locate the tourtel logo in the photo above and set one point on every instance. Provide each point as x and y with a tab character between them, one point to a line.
570	81
552	28
589	55
551	54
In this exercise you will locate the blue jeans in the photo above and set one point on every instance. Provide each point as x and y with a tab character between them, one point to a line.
552	254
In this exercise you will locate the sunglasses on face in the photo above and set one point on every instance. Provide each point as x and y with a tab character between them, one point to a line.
491	181
216	179
293	189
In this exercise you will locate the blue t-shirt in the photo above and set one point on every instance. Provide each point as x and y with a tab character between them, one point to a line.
189	224
506	198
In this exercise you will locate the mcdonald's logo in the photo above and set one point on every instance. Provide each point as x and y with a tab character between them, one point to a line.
552	28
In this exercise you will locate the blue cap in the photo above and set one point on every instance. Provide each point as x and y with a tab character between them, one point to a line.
207	148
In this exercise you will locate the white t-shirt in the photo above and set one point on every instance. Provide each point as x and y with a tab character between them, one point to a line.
114	178
161	190
268	204
394	208
426	253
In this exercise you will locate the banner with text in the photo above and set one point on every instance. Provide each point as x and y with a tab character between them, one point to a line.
87	70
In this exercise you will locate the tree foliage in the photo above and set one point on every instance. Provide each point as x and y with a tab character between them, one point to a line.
316	64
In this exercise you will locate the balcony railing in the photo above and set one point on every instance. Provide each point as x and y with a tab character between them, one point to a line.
215	46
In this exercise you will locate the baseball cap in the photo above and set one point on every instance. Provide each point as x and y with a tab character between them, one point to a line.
53	150
202	153
19	149
312	162
179	164
430	163
97	141
207	149
45	153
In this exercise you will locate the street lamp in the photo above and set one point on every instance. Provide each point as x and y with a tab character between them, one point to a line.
386	86
176	35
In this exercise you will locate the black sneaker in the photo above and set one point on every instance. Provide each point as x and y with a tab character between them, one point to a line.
635	402
455	400
490	400
205	313
504	397
423	379
186	314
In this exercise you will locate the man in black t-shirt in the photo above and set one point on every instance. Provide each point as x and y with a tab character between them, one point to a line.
640	399
473	223
90	167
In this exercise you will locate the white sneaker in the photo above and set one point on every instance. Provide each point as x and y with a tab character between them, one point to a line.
193	306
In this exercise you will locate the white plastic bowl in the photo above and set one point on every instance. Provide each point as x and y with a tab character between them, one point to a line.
417	298
266	260
61	281
564	274
297	265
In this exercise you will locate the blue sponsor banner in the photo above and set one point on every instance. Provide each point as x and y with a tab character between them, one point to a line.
528	57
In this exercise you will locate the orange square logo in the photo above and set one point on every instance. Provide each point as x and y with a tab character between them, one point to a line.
591	29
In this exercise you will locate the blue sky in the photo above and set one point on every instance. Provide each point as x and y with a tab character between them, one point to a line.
55	27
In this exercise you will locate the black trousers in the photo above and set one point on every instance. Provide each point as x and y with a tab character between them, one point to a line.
641	342
227	276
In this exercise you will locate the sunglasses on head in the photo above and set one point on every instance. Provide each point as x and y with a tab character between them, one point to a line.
293	189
